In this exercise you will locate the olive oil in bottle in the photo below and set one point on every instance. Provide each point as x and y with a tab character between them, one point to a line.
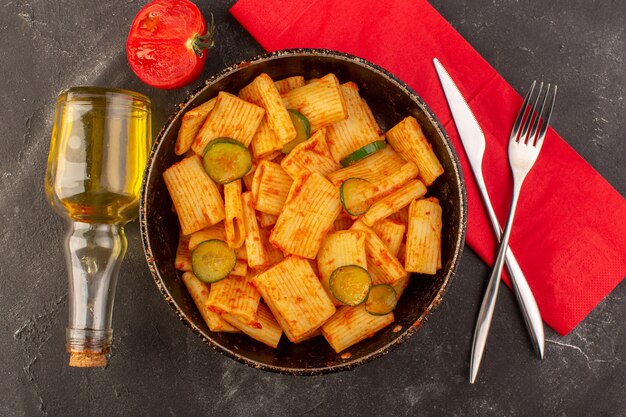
100	143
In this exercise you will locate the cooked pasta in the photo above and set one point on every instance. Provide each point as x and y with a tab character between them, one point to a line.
200	292
233	221
287	220
370	116
214	232
310	156
356	131
275	255
391	232
255	249
309	213
241	268
321	102
423	240
341	248
350	325
382	265
195	196
295	295
393	202
385	169
190	125
182	262
287	84
263	92
271	185
265	142
401	216
264	328
266	219
235	296
231	117
407	137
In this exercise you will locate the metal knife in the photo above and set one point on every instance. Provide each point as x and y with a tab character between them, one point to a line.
473	140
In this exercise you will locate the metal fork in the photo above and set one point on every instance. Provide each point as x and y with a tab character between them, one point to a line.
525	143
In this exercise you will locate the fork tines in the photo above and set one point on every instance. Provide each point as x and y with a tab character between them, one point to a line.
531	120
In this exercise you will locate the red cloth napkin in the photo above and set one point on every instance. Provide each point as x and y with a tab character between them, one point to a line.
570	228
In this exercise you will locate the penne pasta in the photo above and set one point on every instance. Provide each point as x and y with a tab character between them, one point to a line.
241	268
242	252
263	92
191	123
233	221
235	296
309	213
265	329
265	142
214	232
231	117
275	157
371	118
423	239
341	248
350	325
274	254
393	202
402	253
356	131
270	187
408	139
200	292
249	177
310	156
285	218
385	169
384	162
196	197
401	216
391	233
287	84
256	251
321	102
183	254
382	265
265	219
296	297
400	286
343	223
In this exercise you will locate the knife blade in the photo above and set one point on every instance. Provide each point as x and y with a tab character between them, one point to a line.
473	140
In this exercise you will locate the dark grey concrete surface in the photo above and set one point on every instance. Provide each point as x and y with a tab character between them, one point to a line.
159	368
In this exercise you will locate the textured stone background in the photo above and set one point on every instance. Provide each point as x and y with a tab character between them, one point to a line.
160	368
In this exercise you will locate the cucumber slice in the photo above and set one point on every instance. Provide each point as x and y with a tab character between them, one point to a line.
303	130
361	153
356	195
212	260
381	300
226	160
350	284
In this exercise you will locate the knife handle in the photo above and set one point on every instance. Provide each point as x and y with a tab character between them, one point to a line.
525	297
527	303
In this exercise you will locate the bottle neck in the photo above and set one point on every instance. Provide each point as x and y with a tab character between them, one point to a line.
94	253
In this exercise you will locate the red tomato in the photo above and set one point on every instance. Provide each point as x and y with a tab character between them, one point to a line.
166	44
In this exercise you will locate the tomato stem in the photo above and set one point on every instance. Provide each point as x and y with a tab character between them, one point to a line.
200	43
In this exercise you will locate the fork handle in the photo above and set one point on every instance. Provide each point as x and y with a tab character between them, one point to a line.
485	315
523	293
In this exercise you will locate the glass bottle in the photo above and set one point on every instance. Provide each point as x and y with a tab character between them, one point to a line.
100	143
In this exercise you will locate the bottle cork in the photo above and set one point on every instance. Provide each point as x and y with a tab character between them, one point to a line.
88	360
